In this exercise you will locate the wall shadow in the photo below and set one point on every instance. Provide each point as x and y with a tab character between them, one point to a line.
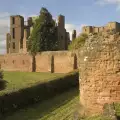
3	84
33	64
118	117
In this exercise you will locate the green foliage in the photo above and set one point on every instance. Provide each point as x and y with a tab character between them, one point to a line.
117	109
43	36
78	42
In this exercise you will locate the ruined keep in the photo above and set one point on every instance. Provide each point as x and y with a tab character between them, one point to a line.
16	40
99	63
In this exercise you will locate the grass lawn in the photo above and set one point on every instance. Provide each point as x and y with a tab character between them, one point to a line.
19	80
61	107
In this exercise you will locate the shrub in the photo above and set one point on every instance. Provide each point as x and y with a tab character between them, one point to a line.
1	75
78	42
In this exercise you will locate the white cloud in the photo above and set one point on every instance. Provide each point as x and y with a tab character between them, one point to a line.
71	27
4	14
108	2
4	28
104	2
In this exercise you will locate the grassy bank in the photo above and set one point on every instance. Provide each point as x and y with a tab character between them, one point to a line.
61	107
24	89
19	80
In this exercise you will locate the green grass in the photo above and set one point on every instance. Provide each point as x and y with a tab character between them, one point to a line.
19	80
61	107
97	118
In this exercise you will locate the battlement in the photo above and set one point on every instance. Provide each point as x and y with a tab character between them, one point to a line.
110	26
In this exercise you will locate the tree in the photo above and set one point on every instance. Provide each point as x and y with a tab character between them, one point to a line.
78	42
43	36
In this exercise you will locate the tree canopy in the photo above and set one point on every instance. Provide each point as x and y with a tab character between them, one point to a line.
78	42
43	36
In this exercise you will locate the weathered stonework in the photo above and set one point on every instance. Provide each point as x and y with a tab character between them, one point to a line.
100	71
109	26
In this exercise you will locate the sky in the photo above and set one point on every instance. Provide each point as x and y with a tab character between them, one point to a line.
78	13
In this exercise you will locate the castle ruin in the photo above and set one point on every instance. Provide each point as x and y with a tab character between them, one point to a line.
110	26
16	40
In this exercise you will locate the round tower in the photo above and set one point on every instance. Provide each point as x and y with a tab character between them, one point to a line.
99	72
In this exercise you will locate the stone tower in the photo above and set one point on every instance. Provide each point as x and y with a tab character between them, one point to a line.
17	33
100	72
61	32
30	22
73	34
8	40
67	39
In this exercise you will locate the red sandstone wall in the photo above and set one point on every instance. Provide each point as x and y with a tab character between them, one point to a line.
16	62
42	63
63	62
58	62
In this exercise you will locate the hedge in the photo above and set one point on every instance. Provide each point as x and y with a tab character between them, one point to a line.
41	91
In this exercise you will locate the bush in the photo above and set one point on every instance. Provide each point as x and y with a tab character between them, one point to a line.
78	42
1	75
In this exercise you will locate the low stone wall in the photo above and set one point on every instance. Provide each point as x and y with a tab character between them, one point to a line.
16	62
42	62
55	61
51	61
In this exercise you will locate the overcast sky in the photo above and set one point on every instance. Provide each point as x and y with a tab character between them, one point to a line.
77	13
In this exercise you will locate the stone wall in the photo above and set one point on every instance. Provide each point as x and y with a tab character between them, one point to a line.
100	72
16	62
58	62
42	62
110	26
63	62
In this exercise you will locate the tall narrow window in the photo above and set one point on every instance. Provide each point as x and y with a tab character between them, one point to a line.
13	33
13	20
13	45
9	45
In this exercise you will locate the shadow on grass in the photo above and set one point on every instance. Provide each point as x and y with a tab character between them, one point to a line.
3	84
37	111
118	117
